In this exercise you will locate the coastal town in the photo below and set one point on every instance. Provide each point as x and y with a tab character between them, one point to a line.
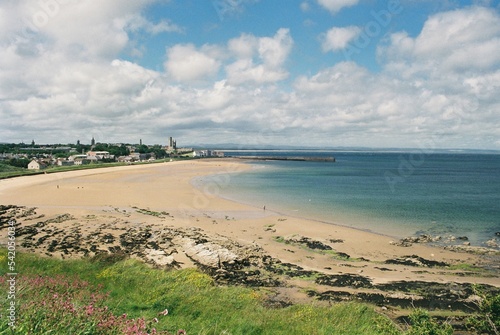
40	157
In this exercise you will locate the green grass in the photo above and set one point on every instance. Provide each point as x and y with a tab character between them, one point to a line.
9	171
9	168
466	267
194	302
18	172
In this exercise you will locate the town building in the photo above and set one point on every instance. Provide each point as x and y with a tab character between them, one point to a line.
65	162
207	153
99	155
75	157
36	165
172	144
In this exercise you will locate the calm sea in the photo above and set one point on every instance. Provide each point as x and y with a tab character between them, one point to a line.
393	193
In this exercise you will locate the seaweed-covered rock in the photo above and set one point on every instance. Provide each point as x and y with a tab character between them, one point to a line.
415	260
345	280
307	242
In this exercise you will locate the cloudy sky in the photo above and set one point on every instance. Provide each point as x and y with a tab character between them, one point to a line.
407	73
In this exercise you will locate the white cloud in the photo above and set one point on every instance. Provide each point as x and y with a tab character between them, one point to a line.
68	82
187	64
334	6
244	46
274	50
259	60
136	23
436	87
338	38
454	41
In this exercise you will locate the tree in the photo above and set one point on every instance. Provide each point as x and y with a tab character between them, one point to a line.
142	149
19	162
116	150
159	152
101	147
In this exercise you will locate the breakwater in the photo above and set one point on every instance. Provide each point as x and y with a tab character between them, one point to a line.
287	158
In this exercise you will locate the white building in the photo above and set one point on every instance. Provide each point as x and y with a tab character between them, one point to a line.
35	165
100	155
202	153
75	157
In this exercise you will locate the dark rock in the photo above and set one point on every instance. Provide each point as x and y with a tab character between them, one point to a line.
342	255
422	238
310	243
430	296
115	249
41	240
415	260
107	238
27	230
52	246
344	280
60	219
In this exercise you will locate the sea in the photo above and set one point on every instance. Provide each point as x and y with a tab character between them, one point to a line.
398	193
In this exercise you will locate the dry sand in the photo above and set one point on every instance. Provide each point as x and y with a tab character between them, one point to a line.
167	187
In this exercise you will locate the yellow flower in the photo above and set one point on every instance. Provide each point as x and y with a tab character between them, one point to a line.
106	273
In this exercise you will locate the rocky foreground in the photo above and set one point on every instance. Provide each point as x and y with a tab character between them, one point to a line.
113	237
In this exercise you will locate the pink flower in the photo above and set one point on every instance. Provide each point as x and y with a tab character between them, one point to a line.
90	310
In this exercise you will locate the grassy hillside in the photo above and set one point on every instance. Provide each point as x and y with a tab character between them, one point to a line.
127	297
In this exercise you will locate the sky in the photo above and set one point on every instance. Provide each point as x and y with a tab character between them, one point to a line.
303	73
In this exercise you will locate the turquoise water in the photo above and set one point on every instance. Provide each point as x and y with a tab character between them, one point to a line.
393	193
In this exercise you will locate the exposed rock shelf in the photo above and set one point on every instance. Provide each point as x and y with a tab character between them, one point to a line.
231	263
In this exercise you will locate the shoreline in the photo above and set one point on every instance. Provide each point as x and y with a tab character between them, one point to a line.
358	221
155	213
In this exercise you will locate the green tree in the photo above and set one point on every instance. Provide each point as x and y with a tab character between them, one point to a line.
101	147
19	162
142	149
120	150
159	152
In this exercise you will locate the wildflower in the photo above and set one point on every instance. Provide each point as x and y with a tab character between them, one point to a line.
90	310
155	320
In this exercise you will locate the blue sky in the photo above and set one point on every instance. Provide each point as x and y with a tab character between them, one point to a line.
407	73
217	21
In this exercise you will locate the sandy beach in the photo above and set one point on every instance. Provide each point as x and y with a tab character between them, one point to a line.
159	196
